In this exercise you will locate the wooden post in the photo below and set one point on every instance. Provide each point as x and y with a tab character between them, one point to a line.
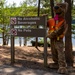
45	51
45	44
12	50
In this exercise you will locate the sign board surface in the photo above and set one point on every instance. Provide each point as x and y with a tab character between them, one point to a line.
35	32
28	32
27	20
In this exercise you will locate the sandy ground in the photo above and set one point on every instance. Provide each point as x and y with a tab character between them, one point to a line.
24	56
28	61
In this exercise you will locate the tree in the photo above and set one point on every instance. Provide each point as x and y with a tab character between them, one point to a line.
52	5
45	7
2	2
68	37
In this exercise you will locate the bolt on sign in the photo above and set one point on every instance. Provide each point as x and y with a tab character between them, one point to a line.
13	21
13	31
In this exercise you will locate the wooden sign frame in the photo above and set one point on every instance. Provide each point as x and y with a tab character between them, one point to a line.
28	32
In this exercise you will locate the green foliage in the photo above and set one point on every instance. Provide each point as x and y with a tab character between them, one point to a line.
26	8
1	30
73	11
45	7
73	29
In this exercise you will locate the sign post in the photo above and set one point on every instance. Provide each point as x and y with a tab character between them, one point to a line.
12	47
28	32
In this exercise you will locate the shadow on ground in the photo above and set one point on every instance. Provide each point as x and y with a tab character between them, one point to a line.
27	60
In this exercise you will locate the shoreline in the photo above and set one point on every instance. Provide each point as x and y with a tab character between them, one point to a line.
73	47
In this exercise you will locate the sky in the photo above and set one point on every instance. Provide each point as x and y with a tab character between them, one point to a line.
15	1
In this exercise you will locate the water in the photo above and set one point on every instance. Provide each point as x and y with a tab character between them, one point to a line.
17	42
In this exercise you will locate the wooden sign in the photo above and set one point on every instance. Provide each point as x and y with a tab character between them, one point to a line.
28	32
27	20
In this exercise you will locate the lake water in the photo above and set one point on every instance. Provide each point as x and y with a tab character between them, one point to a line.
17	42
29	42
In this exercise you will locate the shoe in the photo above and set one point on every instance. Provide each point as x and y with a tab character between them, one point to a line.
53	65
62	70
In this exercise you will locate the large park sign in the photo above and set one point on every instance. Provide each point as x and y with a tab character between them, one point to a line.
28	32
18	21
27	20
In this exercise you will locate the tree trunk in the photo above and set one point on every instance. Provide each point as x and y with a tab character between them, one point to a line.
36	44
68	40
3	35
52	5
